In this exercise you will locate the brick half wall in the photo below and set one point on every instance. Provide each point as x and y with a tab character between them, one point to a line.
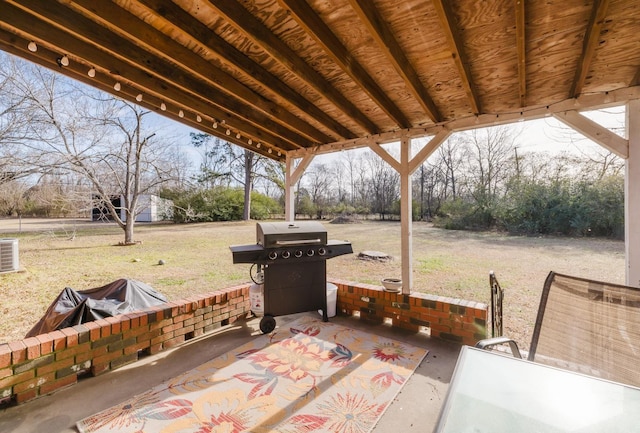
40	365
456	320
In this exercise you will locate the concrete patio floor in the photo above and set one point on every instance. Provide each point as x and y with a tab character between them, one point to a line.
415	409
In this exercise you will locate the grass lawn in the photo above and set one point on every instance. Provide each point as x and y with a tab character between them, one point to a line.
197	260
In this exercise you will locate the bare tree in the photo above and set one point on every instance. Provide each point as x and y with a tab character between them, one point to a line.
490	160
98	137
318	185
385	184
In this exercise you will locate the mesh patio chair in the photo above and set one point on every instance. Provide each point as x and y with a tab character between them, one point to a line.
586	326
497	295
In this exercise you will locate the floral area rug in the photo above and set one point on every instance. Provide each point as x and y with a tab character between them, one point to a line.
309	376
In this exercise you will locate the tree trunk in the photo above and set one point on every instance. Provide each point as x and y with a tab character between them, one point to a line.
128	229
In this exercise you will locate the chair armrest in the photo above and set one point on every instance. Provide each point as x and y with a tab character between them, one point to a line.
490	342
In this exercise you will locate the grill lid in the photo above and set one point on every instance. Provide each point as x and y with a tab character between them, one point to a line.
281	234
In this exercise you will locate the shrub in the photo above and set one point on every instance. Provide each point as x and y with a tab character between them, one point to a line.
219	204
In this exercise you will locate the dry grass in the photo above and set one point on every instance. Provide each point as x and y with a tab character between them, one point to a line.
447	263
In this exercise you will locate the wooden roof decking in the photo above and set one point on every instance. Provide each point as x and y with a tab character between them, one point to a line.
282	76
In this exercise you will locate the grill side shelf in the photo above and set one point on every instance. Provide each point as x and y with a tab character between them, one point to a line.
248	253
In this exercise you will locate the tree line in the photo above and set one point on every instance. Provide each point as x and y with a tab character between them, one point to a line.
65	148
479	180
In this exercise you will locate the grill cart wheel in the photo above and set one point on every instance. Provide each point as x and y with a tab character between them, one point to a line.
267	324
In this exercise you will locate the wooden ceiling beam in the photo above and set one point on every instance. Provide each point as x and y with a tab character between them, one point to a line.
239	62
447	20
157	90
521	48
129	62
236	14
153	40
12	43
586	102
589	45
387	42
314	26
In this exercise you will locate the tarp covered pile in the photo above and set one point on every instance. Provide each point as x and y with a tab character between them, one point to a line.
73	307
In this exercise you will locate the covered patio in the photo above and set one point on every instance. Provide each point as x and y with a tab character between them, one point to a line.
290	80
414	409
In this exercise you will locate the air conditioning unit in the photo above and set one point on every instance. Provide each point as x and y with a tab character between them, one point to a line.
9	260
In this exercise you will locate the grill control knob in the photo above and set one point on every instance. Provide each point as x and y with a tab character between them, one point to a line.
298	253
310	253
322	251
286	254
273	255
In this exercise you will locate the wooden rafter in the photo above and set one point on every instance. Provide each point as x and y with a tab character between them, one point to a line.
314	26
44	57
261	35
155	75
387	41
237	60
589	45
585	102
160	44
445	13
521	48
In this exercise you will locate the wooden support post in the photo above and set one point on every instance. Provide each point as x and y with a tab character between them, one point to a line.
406	216
632	195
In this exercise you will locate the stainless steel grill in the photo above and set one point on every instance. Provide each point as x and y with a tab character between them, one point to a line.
293	257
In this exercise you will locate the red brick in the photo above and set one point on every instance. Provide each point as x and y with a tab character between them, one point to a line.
73	351
98	369
25	386
33	347
135	320
26	396
155	348
105	327
5	355
99	351
107	358
59	340
170	328
144	320
182	318
5	372
148	336
173	342
161	338
440	328
94	330
55	366
184	330
18	352
46	343
115	324
50	387
125	323
136	347
72	336
17	378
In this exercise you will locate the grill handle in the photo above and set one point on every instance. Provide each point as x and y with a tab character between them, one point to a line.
298	242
